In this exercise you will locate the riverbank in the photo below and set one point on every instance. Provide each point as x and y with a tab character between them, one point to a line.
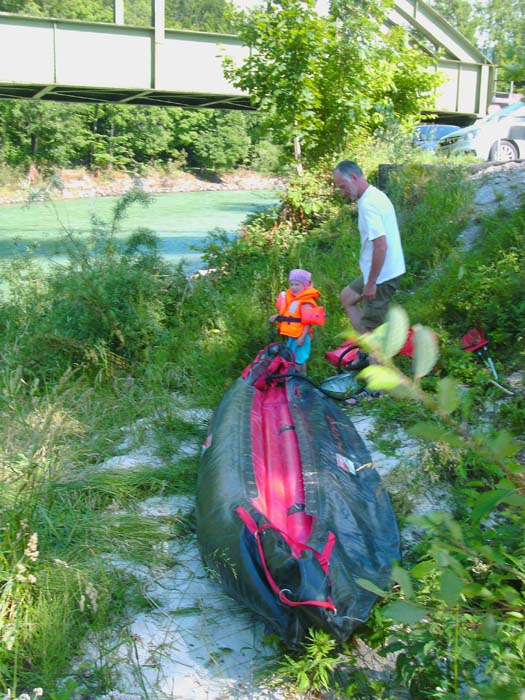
79	183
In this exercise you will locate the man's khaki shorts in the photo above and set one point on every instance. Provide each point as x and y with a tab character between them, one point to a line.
374	311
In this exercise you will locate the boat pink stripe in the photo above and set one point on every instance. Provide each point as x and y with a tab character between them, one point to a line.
277	467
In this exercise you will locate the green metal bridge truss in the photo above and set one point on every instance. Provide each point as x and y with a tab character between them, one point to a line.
73	61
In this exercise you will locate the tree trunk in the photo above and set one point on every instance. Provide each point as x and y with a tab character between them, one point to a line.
297	153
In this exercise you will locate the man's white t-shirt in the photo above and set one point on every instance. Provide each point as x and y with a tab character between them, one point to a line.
377	217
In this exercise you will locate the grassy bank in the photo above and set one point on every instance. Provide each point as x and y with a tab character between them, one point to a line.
104	342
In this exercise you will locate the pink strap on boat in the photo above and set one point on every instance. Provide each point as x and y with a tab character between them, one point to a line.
321	557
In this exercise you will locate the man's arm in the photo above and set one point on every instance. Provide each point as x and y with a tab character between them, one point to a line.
378	259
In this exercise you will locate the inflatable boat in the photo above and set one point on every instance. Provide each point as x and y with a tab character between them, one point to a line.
291	512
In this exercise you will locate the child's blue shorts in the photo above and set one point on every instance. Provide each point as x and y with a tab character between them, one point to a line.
301	352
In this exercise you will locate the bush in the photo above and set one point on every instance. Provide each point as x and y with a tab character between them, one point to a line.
103	309
482	287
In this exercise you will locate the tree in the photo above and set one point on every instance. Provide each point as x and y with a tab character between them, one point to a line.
203	15
49	134
325	79
496	27
95	10
224	145
464	15
505	39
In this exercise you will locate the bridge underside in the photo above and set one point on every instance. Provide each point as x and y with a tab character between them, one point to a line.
150	98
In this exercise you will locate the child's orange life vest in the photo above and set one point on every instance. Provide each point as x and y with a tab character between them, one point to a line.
295	326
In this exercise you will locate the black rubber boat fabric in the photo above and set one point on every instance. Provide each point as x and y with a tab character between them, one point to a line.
342	492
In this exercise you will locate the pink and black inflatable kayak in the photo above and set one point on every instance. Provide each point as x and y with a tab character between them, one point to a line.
290	509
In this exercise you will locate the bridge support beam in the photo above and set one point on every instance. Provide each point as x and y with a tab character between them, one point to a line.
118	11
159	35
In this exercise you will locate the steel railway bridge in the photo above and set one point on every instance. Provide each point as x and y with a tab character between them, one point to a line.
72	61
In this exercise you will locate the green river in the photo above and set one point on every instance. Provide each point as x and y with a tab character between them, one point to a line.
181	221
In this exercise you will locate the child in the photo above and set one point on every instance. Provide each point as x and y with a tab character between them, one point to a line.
294	323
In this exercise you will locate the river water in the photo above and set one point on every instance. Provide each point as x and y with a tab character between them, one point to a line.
182	221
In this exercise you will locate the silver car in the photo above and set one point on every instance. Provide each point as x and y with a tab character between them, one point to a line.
426	136
498	137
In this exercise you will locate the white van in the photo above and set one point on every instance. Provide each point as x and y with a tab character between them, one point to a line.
498	137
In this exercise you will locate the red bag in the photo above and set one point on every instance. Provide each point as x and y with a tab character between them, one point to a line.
408	347
348	352
474	340
344	355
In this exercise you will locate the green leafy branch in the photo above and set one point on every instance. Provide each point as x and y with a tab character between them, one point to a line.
383	344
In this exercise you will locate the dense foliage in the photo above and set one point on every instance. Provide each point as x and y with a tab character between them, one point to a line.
108	136
203	15
323	80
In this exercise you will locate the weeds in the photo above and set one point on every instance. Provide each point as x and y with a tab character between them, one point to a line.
313	668
67	400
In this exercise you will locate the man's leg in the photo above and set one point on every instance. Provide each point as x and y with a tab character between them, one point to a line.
350	299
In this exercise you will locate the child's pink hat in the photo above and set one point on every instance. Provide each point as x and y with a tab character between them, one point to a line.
302	276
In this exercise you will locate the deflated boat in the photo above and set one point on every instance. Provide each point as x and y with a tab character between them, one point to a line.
290	509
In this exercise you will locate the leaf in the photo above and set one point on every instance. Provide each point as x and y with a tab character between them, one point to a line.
454	528
504	444
429	646
378	377
422	569
514	468
431	432
472	590
403	578
450	587
448	395
396	331
489	626
514	499
425	351
505	484
487	502
515	614
401	611
370	586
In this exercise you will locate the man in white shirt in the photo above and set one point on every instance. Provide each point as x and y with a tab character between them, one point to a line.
381	259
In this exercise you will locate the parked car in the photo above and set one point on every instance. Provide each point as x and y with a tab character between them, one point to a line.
498	137
426	136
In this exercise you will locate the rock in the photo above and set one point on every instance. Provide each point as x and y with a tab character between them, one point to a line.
81	183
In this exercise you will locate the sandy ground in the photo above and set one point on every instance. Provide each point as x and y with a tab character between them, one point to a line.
194	642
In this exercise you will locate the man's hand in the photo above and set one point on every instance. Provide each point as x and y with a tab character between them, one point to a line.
378	259
369	291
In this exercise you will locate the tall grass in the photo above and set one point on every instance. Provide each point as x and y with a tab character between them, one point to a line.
71	387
